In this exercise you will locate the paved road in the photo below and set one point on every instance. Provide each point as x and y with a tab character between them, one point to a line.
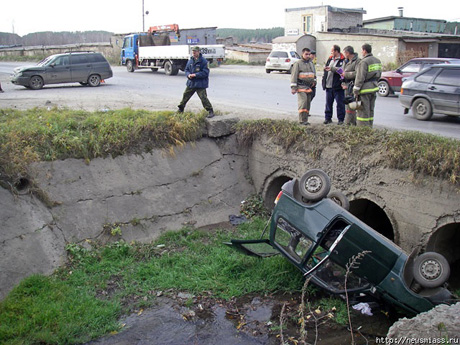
244	90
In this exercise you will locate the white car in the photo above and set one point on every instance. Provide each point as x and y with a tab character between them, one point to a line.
281	60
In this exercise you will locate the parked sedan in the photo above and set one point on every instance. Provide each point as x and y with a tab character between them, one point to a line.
86	68
342	254
435	90
281	60
391	81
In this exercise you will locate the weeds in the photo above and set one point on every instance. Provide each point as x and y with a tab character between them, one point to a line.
420	153
84	299
44	135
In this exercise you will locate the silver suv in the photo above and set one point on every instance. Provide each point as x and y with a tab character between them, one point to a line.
86	68
281	60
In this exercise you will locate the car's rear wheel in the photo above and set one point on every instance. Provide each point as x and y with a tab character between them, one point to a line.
431	270
36	82
130	66
340	199
384	88
314	185
421	108
94	80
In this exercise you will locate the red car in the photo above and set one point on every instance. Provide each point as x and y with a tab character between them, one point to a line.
391	81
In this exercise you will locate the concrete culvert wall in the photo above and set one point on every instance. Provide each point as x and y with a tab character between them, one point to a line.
371	214
274	185
446	241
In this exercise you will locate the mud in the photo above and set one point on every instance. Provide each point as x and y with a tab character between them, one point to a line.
249	320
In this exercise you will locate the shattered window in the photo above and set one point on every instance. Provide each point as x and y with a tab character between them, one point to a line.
291	240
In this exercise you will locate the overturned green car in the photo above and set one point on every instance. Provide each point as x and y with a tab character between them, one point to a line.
312	228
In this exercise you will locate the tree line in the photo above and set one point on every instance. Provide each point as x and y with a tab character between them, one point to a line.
69	37
251	35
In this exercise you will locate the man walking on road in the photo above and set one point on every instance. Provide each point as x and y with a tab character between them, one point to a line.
332	83
303	79
368	72
197	73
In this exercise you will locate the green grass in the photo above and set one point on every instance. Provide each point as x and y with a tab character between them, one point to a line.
84	299
43	135
419	153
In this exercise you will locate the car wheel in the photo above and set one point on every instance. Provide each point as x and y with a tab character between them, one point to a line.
36	82
130	66
421	108
268	70
340	199
384	88
314	185
431	270
94	80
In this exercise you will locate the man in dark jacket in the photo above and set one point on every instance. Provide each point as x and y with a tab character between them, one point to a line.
332	83
197	73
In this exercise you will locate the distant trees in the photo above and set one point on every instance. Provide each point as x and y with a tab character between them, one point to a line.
55	38
251	35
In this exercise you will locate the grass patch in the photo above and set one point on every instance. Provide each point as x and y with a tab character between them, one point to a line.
420	153
43	135
84	299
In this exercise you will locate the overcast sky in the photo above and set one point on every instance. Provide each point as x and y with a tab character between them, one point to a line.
28	16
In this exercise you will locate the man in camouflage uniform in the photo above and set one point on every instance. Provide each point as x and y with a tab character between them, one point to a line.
368	73
349	75
303	78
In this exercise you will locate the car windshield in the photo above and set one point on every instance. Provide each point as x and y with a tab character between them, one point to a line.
46	61
279	54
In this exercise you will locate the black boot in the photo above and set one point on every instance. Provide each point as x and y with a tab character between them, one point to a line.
180	109
210	114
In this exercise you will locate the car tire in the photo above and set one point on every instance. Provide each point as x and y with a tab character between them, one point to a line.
36	82
314	185
340	199
384	88
130	66
431	270
421	108
94	80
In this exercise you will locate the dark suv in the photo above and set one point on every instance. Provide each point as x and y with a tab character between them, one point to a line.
314	231
391	81
434	90
86	68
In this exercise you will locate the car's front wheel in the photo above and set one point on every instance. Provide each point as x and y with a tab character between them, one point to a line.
94	80
431	270
421	108
36	82
384	88
314	185
340	199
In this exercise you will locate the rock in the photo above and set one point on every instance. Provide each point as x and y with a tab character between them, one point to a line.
184	295
443	320
220	126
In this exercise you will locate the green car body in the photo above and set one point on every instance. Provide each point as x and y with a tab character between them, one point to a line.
322	239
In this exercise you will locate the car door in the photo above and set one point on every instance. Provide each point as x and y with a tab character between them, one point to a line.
80	67
58	71
444	91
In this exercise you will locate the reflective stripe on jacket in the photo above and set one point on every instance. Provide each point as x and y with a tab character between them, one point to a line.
368	72
303	74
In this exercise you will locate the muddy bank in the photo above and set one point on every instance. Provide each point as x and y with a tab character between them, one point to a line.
250	320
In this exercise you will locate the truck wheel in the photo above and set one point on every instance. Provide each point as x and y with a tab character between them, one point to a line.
314	185
168	68
431	270
130	66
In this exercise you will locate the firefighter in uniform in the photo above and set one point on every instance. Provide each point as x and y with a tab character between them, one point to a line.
368	73
303	79
349	75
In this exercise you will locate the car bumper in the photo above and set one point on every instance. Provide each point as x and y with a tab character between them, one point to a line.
19	80
405	101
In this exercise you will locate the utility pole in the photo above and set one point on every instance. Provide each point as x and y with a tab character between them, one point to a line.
143	22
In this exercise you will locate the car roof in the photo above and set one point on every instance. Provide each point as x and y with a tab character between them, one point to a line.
435	59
